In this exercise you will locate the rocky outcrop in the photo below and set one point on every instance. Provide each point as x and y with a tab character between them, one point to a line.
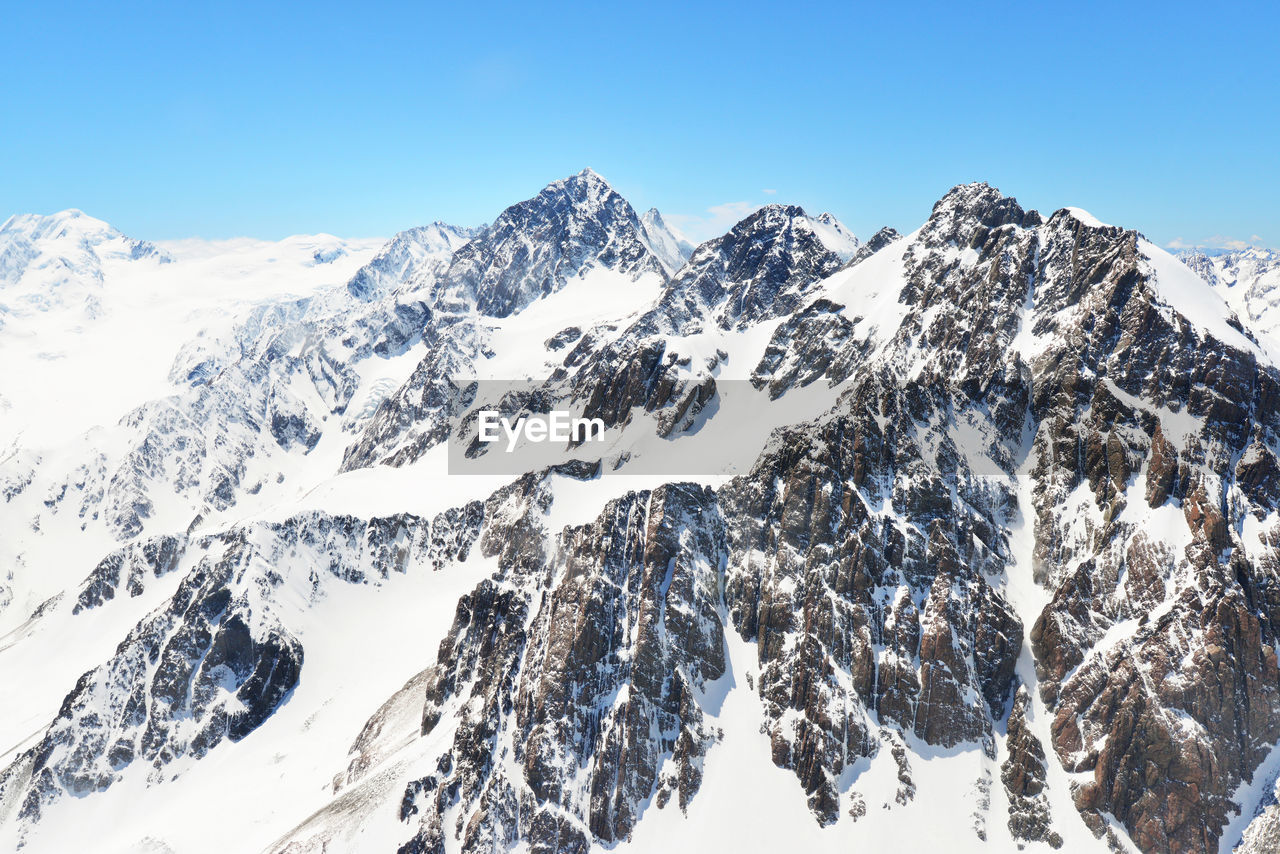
129	568
1157	661
1023	775
216	660
576	676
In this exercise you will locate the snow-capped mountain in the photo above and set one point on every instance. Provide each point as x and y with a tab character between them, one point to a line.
57	262
972	544
411	260
64	244
669	245
759	269
534	248
113	311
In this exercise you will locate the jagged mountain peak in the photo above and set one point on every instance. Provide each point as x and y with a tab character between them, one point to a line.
836	236
983	204
1073	217
774	219
770	215
586	187
666	242
977	204
758	269
986	225
534	247
764	223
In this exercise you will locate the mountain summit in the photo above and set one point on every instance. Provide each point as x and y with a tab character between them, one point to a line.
534	247
56	261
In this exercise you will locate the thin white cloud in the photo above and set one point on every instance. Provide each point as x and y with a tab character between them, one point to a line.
770	192
1218	241
714	222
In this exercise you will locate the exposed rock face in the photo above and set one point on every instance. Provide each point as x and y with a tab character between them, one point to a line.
128	568
576	673
758	270
218	658
816	342
761	269
855	617
891	610
1023	775
534	247
1180	706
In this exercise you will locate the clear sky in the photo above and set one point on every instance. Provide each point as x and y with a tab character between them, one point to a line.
266	119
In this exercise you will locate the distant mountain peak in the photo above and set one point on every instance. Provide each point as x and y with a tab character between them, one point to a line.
49	260
878	241
758	269
70	223
534	247
411	259
667	243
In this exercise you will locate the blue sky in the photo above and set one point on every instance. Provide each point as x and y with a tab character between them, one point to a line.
267	119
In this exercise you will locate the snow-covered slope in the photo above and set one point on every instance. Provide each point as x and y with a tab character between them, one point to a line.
965	538
92	320
55	261
1248	279
835	235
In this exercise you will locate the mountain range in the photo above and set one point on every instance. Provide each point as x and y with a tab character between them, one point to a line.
967	537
